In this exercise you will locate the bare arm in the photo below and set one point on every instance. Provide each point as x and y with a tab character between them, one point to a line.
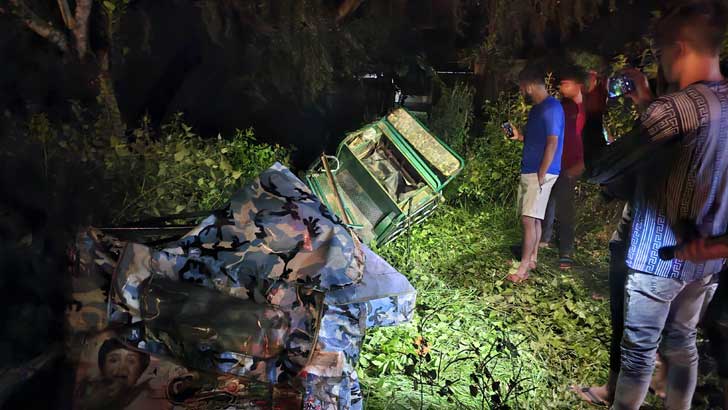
704	249
552	142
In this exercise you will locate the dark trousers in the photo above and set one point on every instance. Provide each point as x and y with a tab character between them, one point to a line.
561	207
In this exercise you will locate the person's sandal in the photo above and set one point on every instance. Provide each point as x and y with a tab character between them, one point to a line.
514	277
585	394
565	263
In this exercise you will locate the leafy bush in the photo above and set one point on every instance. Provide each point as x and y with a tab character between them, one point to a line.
453	115
144	174
492	161
184	172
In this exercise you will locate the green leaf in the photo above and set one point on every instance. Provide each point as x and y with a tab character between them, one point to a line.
225	166
109	6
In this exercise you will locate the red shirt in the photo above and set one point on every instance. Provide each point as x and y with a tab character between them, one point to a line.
574	119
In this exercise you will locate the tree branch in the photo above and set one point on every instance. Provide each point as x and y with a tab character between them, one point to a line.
40	27
346	8
66	14
80	29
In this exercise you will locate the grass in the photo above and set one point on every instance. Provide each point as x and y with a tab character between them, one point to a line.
458	260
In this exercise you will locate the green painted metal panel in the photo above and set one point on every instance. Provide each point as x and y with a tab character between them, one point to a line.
383	204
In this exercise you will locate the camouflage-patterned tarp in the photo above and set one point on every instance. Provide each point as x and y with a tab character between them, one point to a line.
275	290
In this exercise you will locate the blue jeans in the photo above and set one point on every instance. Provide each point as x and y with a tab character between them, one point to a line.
656	307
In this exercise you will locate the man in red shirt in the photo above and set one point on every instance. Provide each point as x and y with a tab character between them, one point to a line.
561	203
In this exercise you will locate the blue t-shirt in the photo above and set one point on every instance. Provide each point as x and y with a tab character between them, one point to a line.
544	119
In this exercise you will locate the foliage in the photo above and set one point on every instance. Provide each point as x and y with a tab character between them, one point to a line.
453	115
184	172
621	113
587	61
492	161
149	175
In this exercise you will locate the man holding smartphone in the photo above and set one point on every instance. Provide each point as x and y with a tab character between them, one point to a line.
679	160
540	166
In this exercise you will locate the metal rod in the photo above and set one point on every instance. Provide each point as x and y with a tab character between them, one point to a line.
337	196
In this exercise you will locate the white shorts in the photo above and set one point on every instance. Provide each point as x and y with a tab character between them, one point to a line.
532	198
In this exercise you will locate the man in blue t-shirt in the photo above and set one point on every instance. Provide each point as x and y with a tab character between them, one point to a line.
540	166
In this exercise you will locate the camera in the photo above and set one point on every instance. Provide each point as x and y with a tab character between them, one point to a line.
508	128
620	85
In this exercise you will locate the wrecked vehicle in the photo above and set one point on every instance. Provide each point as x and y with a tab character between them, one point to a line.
390	175
262	306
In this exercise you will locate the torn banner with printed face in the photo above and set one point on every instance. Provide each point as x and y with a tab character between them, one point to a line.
275	290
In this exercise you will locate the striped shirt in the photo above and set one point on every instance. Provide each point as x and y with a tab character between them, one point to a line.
684	142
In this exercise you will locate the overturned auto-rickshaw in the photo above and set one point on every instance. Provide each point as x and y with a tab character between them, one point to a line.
389	174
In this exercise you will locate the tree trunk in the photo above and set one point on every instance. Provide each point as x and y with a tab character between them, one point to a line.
78	26
111	122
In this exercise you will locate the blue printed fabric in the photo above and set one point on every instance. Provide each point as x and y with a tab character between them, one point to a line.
281	256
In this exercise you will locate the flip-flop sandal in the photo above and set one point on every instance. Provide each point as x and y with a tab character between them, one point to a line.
585	394
513	277
516	279
565	263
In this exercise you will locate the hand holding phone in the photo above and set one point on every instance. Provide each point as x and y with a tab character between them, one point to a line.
635	86
511	131
620	85
508	129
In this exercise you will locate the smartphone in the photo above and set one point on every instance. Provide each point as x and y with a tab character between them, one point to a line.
508	128
620	85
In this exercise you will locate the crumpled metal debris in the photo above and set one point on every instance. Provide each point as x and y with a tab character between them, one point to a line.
274	292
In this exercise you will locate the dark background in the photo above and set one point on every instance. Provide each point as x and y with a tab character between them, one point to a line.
171	64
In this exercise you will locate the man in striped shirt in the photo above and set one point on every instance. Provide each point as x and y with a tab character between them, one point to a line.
679	160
